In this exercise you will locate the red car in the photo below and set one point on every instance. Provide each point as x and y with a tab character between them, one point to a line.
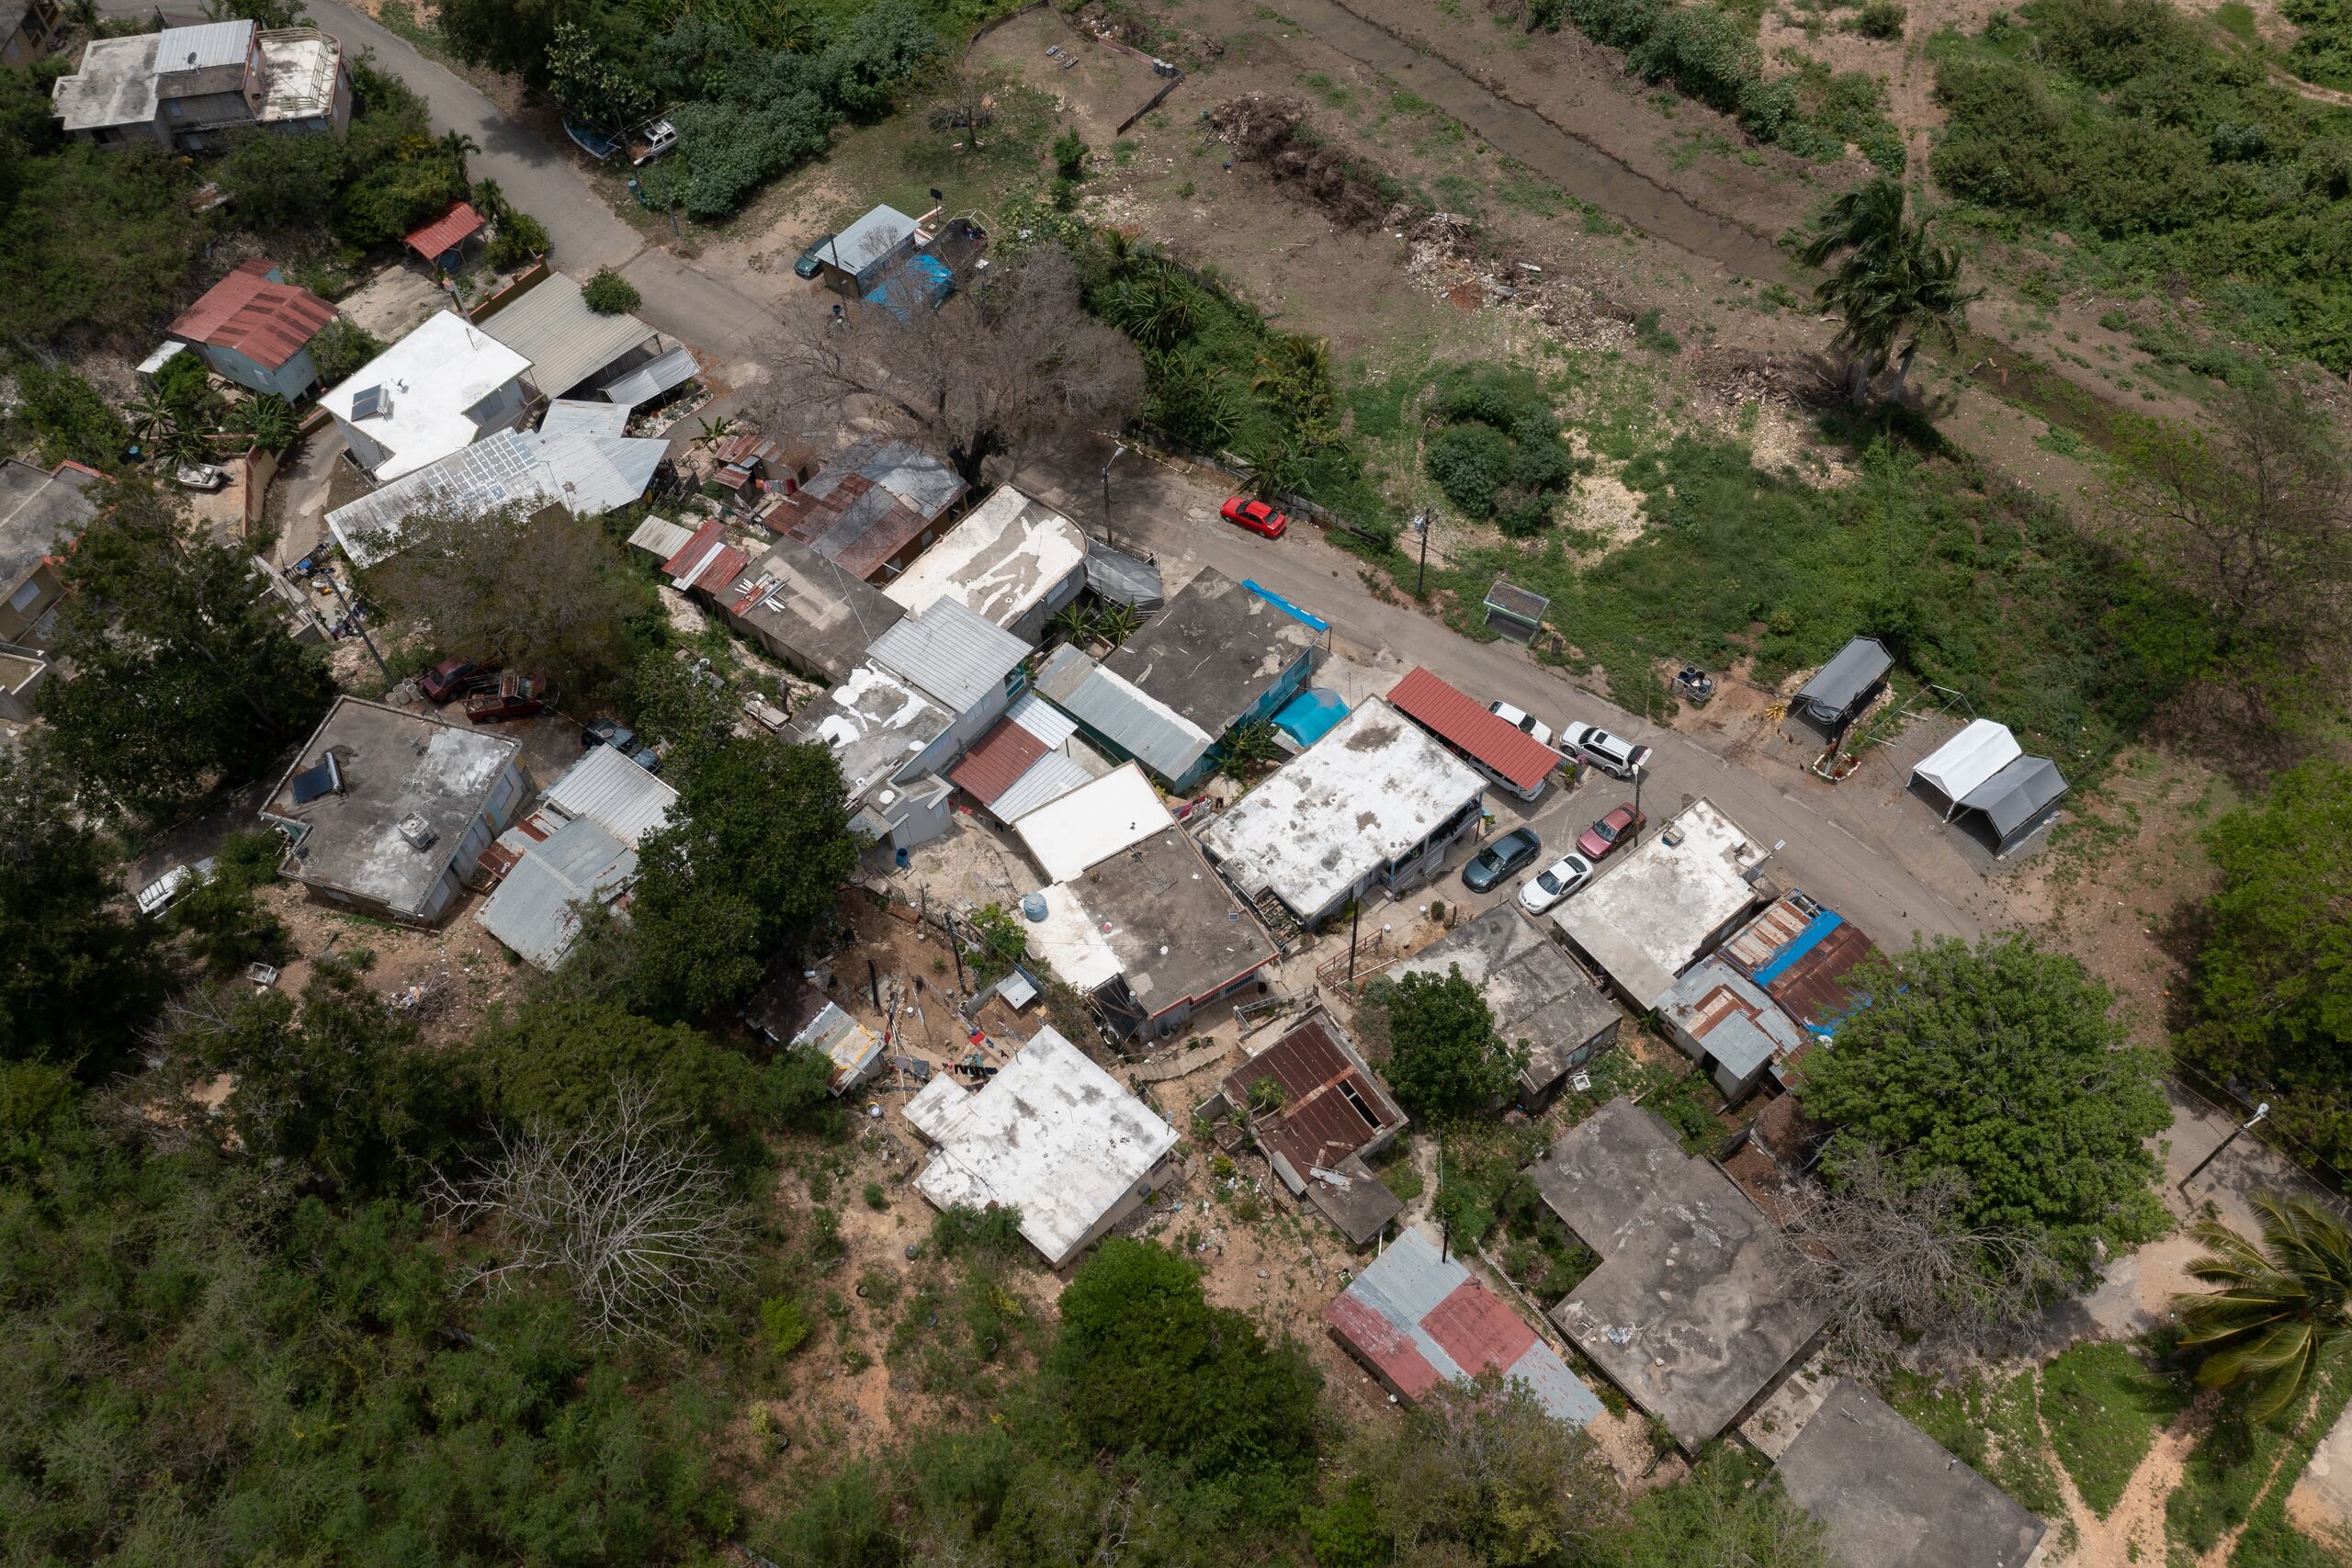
448	678
1610	832
509	696
1254	515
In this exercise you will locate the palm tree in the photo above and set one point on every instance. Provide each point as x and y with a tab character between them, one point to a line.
489	200
1894	283
457	146
2280	1310
1072	624
150	417
1116	624
1249	748
271	420
714	431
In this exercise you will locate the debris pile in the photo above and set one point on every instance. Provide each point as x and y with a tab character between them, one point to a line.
1267	132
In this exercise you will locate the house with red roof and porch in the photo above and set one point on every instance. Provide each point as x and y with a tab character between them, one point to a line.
255	328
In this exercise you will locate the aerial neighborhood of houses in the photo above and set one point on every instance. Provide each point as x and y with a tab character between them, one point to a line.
1156	829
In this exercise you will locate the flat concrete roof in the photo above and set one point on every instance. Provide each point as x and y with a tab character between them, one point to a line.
394	765
1373	787
1093	823
298	67
39	512
1212	651
116	84
1157	917
1893	1497
1666	902
821	615
1052	1135
1536	992
998	561
874	725
1695	1306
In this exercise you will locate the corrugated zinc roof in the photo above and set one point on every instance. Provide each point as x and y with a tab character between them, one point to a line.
616	795
1331	1109
203	46
536	909
660	537
1454	717
1049	778
996	761
1130	718
584	416
551	326
1041	718
950	655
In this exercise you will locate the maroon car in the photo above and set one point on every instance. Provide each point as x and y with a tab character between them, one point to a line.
448	678
1610	832
509	696
1254	515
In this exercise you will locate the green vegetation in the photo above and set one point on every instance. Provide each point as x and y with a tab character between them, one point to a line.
1892	283
2279	1312
2046	1135
2323	47
1709	53
2163	154
1992	1423
1446	1061
609	294
1498	453
2272	983
2103	1408
1485	1195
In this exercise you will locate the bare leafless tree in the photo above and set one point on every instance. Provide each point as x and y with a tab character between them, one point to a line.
628	1211
1904	1279
1010	364
961	97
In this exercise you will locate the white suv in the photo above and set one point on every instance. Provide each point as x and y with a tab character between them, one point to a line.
1612	754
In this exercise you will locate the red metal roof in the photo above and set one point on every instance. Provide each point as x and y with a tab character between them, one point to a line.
1465	724
719	571
994	765
1474	1327
1386	1347
1329	1110
446	232
267	322
694	549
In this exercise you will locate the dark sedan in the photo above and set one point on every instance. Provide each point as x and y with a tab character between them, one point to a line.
1490	865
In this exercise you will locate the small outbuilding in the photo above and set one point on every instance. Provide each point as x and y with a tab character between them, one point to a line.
1891	1497
255	328
1052	1135
870	250
1967	761
1539	997
1698	1304
554	869
1416	1317
1801	952
1509	756
806	611
2014	803
871	509
1843	687
1723	1020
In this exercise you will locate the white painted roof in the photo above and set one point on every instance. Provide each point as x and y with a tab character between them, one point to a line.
1093	823
433	376
1374	787
1052	1135
1071	940
1649	918
999	563
1968	759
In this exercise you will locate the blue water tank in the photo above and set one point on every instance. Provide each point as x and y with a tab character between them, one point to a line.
1033	905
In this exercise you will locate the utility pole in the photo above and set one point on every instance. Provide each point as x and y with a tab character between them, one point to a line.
351	618
1421	524
1355	922
1110	537
2260	1112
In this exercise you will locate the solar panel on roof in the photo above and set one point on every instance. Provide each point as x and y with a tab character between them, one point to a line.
369	402
312	783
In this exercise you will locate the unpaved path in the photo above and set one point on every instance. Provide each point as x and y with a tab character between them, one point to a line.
2133	1533
1576	166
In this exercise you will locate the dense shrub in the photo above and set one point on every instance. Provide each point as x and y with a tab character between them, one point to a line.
519	238
1500	456
609	294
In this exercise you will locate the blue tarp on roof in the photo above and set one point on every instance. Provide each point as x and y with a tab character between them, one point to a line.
1309	716
926	275
1285	606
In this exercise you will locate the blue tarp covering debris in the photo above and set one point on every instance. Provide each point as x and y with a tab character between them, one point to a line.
1309	716
927	275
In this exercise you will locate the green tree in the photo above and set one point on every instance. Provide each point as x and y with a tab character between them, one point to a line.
2279	1311
609	294
594	90
2274	977
278	184
1476	1473
747	869
1445	1059
78	975
1894	282
1729	1511
224	926
100	239
185	676
519	238
70	418
2003	1066
1143	1361
341	349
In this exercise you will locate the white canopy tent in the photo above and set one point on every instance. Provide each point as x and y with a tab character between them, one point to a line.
1967	760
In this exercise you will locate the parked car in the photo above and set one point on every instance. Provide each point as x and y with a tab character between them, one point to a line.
1611	831
158	895
1559	880
200	476
813	258
510	697
609	732
1255	515
448	678
1612	754
651	141
1527	722
1490	865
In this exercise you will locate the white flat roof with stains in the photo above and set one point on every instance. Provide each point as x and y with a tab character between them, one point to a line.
1657	910
998	562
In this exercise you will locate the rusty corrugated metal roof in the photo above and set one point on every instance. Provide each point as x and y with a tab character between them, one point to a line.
1813	989
1329	1110
267	322
446	232
996	764
1465	723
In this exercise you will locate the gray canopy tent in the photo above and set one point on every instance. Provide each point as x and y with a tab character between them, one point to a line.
1839	687
2017	800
